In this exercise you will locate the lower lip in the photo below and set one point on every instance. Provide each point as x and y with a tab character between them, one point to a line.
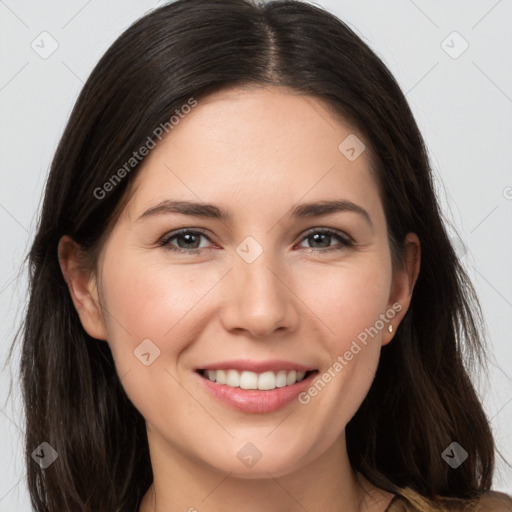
253	400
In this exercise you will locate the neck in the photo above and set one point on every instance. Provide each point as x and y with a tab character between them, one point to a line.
326	484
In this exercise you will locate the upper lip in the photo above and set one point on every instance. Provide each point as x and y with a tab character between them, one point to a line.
273	365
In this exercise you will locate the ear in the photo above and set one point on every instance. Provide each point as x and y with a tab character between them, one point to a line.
403	282
82	287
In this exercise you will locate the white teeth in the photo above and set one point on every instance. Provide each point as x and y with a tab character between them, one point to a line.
251	380
281	379
266	381
248	380
291	377
233	378
219	376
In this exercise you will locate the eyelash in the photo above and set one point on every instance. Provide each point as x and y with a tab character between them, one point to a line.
346	242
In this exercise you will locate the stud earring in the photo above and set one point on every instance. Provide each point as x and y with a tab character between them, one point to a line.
390	328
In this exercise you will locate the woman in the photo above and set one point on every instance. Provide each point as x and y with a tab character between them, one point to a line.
252	370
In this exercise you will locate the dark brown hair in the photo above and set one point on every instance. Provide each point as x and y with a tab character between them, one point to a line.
422	398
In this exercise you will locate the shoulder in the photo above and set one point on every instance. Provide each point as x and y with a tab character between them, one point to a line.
495	501
409	500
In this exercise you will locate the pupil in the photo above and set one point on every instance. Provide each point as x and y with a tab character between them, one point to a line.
316	235
189	238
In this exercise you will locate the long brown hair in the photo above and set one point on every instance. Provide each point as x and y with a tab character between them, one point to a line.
422	398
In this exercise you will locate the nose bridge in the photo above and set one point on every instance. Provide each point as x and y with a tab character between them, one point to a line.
257	279
259	301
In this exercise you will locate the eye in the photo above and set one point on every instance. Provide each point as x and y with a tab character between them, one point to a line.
186	239
189	241
324	237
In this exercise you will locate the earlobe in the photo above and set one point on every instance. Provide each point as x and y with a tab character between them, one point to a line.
82	287
403	284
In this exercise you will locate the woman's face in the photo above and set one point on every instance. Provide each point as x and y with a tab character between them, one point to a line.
265	286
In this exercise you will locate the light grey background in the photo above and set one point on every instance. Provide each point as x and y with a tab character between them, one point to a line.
463	106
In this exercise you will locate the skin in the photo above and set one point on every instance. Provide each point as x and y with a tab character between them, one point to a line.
255	152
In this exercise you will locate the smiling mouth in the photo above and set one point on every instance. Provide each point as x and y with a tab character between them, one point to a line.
264	381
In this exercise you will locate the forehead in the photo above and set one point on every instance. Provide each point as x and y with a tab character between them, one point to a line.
259	147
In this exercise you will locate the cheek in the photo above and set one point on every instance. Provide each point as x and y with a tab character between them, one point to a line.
148	300
350	300
347	298
158	310
151	314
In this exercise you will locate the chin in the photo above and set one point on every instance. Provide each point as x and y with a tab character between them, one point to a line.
248	463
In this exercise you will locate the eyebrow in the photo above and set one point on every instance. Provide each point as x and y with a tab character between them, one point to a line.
304	210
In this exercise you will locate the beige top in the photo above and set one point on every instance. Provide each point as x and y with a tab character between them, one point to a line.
410	501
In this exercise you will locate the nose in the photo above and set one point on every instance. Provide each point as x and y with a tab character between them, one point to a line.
257	298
